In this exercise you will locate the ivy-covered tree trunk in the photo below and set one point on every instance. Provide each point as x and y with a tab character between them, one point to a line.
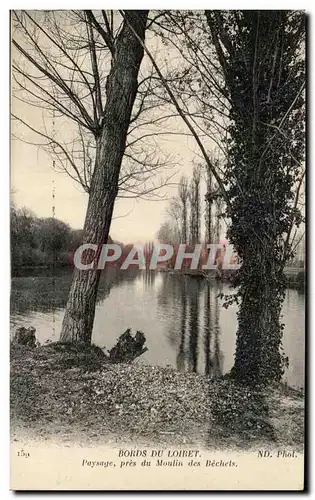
258	348
121	89
261	56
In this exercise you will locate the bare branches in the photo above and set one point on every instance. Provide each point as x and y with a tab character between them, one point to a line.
45	66
61	80
185	119
106	35
56	148
61	64
94	64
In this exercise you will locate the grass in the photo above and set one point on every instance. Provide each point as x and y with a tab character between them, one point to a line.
67	392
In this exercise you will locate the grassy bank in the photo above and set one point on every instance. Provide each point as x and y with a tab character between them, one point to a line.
77	395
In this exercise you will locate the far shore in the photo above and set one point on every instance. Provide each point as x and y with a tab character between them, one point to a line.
295	276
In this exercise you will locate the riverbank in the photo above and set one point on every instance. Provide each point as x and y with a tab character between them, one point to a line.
40	269
81	397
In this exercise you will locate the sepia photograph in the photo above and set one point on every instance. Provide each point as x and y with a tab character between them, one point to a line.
158	249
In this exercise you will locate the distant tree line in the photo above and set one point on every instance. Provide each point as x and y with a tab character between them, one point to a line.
186	215
39	241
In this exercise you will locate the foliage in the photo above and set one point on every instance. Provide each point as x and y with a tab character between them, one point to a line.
245	92
183	195
167	233
264	82
41	241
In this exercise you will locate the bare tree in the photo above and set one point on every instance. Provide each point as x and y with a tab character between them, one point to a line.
208	207
75	50
174	212
175	24
195	208
183	194
214	212
100	105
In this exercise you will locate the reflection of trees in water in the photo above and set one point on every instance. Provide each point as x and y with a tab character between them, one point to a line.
194	297
148	278
180	359
180	299
207	331
170	291
217	353
183	295
213	353
169	303
211	327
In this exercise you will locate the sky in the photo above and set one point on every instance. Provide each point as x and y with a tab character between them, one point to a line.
33	181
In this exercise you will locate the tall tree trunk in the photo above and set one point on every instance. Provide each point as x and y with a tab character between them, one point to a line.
121	90
258	356
217	230
184	226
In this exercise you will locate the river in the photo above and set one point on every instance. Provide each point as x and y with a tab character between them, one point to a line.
185	325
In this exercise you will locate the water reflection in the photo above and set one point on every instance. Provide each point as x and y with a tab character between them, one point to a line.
180	359
182	318
194	325
213	354
148	279
207	332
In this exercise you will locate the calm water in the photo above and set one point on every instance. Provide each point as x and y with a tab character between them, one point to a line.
183	320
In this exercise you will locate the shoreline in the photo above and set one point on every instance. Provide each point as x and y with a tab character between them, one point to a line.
295	277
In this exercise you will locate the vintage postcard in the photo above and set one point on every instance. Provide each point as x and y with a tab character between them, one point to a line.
157	250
